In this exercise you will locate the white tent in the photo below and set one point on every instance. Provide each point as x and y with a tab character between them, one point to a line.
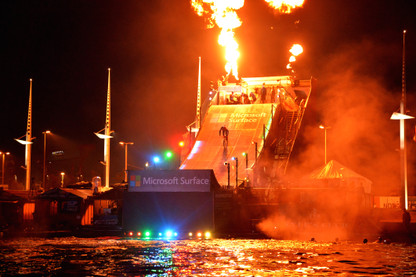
333	170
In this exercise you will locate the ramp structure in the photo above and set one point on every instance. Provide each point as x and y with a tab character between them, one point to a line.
245	124
263	116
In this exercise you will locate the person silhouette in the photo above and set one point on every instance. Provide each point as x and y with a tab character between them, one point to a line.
224	133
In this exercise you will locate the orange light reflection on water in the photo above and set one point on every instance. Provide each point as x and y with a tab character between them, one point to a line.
217	257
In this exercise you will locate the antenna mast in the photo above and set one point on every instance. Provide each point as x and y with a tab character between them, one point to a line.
198	102
28	148
107	133
403	155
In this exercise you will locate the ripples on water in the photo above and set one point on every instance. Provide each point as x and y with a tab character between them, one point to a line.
217	257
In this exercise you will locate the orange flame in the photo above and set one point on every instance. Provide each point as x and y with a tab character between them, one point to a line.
296	50
285	6
223	14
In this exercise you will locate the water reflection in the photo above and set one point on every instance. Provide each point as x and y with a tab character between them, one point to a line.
123	257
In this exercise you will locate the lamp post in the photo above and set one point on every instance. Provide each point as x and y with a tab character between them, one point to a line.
403	153
44	159
125	144
156	160
246	157
236	171
62	179
2	165
255	150
227	164
402	117
167	158
324	128
181	144
255	160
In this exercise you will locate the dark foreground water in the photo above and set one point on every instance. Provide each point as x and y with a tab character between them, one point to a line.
216	257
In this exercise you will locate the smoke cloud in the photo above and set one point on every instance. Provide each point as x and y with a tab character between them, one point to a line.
355	99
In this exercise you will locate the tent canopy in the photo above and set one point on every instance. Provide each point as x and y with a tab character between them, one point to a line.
14	195
65	194
333	170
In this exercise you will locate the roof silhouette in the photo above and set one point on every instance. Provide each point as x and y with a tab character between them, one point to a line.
336	171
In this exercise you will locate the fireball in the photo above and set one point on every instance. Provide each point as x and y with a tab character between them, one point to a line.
223	13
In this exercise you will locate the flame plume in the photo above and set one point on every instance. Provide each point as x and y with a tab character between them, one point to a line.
296	50
285	6
223	13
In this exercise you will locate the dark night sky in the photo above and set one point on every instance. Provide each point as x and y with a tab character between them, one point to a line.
152	48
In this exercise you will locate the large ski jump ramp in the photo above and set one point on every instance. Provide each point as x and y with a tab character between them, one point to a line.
246	125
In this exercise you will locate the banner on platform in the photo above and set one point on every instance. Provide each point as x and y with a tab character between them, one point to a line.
170	181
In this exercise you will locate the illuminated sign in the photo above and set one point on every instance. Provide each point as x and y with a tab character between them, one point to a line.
170	181
230	88
246	117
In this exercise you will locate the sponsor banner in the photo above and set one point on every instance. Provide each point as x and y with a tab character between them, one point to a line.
246	117
170	181
230	88
239	117
387	202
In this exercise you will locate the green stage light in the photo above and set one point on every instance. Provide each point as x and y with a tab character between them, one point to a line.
168	154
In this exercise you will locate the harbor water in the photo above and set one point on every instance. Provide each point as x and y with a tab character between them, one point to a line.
114	256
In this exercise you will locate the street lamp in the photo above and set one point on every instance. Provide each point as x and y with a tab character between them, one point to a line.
168	154
44	158
324	128
62	180
246	156
125	144
236	171
156	160
168	157
2	165
255	150
402	117
403	153
227	164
